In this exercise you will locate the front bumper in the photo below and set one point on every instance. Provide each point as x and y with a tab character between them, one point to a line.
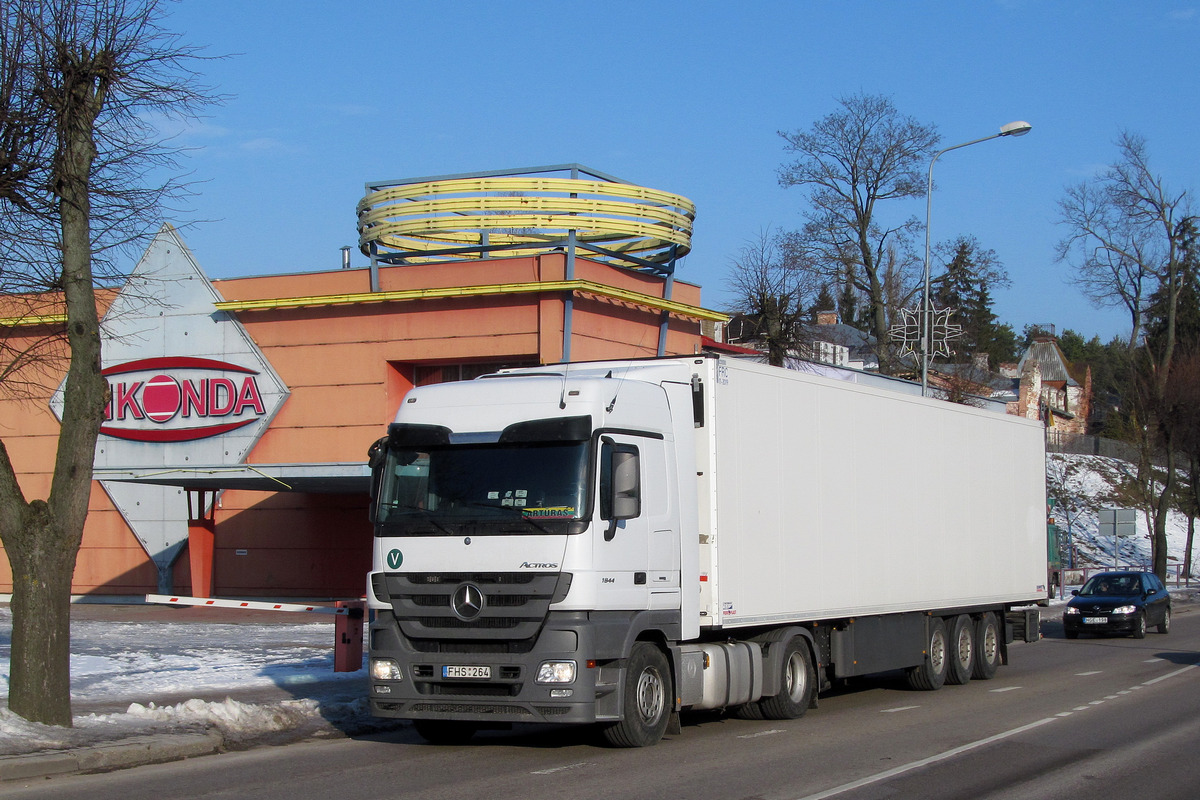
1101	623
509	694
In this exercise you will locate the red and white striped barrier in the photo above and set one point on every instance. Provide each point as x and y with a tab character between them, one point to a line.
167	599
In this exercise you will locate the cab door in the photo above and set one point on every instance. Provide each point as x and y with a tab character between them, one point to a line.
621	546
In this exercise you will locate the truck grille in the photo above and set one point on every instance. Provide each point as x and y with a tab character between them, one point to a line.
512	606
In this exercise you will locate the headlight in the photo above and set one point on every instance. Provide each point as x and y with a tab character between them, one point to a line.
1125	610
556	672
1070	610
385	669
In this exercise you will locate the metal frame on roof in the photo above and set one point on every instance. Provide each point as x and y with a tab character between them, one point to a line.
520	212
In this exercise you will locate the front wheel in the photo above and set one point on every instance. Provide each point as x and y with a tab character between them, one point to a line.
1165	625
1139	627
646	707
931	673
799	681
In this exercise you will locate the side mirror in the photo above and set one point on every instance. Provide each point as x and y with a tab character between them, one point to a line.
376	457
620	485
1075	593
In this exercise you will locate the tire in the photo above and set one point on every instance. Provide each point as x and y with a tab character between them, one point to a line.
962	651
444	732
647	699
987	648
797	683
1165	625
1139	629
747	711
931	673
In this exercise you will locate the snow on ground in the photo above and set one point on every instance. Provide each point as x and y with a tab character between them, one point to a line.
246	680
1094	482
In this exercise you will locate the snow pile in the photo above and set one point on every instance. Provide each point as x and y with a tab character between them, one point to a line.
142	678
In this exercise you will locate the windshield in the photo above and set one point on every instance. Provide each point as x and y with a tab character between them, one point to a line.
1112	586
436	490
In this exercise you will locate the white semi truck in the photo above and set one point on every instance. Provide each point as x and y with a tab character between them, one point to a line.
616	542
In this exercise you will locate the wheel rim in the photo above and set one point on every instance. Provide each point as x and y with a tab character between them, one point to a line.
797	677
990	647
964	646
937	653
650	695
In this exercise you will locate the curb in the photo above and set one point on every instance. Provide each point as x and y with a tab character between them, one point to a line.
135	751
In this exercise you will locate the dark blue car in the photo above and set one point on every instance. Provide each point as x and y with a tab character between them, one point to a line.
1124	602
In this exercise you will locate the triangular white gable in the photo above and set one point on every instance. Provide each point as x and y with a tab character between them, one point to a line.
163	325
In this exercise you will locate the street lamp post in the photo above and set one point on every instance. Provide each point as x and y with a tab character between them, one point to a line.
1011	129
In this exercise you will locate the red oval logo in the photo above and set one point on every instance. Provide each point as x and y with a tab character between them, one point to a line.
181	400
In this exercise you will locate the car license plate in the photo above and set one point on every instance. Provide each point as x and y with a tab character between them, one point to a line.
466	672
1095	620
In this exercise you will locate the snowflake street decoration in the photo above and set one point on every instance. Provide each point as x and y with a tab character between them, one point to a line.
909	332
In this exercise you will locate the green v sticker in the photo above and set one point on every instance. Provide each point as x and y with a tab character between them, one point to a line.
394	559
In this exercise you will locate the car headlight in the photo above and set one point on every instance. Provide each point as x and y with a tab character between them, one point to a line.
556	672
1070	610
1125	610
385	669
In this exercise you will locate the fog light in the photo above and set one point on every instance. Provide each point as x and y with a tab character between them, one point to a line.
561	692
556	672
385	669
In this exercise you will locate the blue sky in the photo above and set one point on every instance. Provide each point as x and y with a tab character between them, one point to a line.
681	96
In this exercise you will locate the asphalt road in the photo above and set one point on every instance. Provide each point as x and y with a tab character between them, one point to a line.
1109	717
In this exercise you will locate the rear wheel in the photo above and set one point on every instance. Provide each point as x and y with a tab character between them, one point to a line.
962	650
1165	625
797	684
987	647
646	703
441	731
931	673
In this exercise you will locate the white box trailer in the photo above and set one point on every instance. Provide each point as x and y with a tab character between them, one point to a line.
617	542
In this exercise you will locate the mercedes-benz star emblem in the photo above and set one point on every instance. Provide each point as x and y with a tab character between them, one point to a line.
467	601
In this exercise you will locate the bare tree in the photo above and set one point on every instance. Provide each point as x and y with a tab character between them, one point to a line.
863	154
1122	232
771	295
82	83
1130	238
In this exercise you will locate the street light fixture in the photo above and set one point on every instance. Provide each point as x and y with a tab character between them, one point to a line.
1011	129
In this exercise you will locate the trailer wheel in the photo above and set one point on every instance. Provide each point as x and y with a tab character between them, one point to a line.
931	673
962	651
446	732
646	707
799	681
987	647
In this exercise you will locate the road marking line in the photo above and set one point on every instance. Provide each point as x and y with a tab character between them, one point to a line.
771	732
1153	660
1005	689
924	762
1085	674
898	708
563	768
1081	708
1179	671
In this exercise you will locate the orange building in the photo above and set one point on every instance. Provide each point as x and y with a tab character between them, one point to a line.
232	459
